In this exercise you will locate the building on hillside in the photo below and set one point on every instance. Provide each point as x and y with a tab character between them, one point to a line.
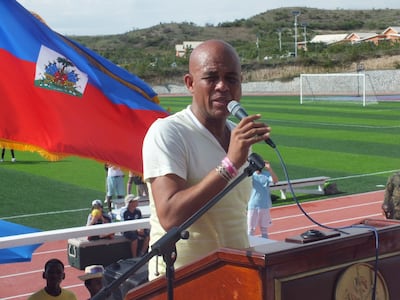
392	33
358	37
329	39
186	47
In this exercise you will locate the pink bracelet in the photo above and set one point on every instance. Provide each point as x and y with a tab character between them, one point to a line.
226	162
221	170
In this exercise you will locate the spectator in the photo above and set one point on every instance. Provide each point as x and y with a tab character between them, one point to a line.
3	151
115	185
53	274
391	202
93	279
192	155
139	238
97	216
258	209
141	187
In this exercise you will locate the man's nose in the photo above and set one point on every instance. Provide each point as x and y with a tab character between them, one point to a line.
222	84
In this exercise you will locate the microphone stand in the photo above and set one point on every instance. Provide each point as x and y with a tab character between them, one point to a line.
166	245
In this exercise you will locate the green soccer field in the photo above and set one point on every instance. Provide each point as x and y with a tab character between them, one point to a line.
358	147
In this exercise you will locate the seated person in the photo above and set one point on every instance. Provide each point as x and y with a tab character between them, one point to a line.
93	279
132	212
97	216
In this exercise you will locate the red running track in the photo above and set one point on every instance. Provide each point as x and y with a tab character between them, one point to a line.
19	280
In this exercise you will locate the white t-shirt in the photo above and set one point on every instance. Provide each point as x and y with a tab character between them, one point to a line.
181	145
114	171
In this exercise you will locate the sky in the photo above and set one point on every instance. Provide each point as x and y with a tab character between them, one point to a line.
103	17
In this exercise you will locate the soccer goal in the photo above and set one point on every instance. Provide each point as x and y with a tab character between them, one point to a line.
346	87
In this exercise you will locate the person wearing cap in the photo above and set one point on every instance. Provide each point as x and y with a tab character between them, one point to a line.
93	279
132	212
97	216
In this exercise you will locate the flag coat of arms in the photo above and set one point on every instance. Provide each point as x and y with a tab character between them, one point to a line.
60	98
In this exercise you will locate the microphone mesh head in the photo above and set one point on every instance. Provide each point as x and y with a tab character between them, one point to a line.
233	107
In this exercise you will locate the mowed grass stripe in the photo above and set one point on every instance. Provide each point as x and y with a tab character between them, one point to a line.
342	163
290	110
346	146
24	193
310	116
339	139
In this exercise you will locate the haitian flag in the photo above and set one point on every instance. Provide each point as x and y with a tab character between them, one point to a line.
59	98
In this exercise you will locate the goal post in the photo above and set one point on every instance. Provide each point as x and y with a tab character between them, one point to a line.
337	87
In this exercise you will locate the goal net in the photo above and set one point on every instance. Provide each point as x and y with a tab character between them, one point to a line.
345	87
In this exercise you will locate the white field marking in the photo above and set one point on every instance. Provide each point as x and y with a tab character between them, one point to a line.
364	175
335	124
45	213
326	210
48	252
27	273
328	223
21	274
327	199
22	296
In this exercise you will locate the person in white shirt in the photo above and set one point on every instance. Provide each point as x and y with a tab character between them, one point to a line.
115	185
191	156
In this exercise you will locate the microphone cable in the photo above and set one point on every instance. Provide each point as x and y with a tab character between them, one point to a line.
340	229
239	112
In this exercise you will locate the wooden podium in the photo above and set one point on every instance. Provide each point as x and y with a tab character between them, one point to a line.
337	268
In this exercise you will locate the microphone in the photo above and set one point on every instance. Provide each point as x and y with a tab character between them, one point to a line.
238	111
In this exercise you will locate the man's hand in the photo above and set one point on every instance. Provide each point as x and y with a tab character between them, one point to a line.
247	132
386	211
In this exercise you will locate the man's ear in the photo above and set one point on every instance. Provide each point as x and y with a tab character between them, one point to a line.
188	79
44	275
63	276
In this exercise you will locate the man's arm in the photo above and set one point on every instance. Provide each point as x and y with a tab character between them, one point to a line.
175	201
271	172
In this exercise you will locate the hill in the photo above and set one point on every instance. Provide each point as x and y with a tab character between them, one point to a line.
150	52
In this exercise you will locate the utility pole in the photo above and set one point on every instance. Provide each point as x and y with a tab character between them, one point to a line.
280	39
258	48
305	34
295	13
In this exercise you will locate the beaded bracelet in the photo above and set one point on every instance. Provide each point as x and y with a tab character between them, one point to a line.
226	169
226	162
223	172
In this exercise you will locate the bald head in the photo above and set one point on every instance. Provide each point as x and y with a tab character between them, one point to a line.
213	51
214	79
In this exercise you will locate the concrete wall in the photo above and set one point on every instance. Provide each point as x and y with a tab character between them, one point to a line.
382	82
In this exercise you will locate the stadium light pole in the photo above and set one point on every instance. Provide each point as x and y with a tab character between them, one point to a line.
305	34
295	13
258	47
280	39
